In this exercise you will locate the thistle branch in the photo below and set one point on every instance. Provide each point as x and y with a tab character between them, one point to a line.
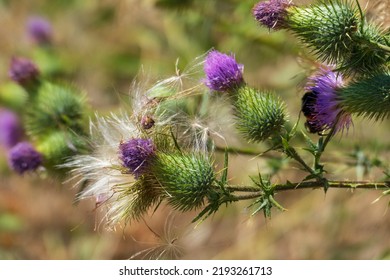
313	185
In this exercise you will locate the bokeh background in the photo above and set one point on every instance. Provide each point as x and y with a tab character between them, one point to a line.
101	47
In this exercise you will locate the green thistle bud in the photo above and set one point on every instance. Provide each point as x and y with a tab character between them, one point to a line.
327	27
338	33
369	54
369	97
186	179
13	96
57	146
55	107
259	115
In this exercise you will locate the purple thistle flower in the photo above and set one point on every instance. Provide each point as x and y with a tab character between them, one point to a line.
223	73
23	157
321	104
23	71
271	13
39	30
10	128
136	154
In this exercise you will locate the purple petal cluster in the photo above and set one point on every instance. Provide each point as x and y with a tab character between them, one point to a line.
222	71
10	128
271	13
23	157
23	71
136	155
321	103
39	30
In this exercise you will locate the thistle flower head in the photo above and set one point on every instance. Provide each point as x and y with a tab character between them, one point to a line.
136	155
10	128
223	73
23	158
39	30
271	13
321	104
23	71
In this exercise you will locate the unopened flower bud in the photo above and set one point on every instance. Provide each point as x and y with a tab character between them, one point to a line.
259	115
186	179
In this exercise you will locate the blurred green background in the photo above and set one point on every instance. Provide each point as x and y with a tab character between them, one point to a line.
101	46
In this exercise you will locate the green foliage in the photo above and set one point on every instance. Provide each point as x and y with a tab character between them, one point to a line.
266	200
187	179
259	115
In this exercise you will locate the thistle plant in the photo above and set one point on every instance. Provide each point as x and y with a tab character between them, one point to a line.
259	114
164	150
53	119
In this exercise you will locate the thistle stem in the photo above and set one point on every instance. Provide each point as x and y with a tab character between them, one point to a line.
322	146
291	152
235	150
242	189
247	196
312	185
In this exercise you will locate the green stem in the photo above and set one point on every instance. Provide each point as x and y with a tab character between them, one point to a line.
242	189
291	152
312	185
322	146
235	150
247	196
